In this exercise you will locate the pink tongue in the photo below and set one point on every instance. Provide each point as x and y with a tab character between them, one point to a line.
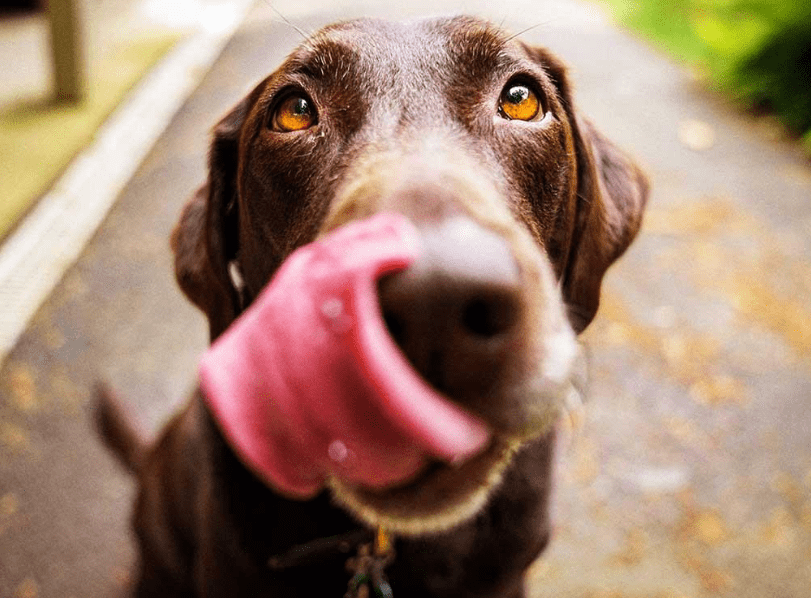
308	383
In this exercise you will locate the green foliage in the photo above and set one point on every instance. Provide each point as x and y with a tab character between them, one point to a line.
757	50
778	75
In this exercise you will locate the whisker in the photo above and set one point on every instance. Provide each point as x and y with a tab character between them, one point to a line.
523	31
284	19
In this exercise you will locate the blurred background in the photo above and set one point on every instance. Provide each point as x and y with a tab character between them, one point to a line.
67	65
690	473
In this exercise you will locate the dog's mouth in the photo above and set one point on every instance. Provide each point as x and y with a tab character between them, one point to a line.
400	446
439	497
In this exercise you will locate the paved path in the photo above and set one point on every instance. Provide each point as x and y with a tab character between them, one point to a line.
691	475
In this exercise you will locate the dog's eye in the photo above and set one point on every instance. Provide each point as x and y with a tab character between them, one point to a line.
296	113
518	102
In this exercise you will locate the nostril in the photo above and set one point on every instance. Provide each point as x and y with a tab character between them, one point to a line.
456	313
489	317
395	326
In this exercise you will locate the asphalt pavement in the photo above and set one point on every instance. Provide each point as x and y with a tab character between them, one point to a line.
690	475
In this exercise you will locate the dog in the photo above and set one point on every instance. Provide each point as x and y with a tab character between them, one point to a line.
521	204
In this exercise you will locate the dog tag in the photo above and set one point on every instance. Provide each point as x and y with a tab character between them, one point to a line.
367	568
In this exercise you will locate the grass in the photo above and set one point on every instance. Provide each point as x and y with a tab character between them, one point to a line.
756	51
38	137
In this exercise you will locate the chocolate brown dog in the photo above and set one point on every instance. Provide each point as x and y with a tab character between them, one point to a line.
521	205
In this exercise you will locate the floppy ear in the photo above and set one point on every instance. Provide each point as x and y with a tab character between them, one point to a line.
611	196
205	240
608	219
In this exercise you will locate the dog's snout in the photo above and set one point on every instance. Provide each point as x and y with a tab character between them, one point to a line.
488	314
456	312
469	314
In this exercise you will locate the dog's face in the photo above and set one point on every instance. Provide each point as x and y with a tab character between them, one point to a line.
473	136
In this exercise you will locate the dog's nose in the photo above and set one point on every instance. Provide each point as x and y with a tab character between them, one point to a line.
457	312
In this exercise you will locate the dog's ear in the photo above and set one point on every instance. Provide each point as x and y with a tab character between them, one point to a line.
611	196
205	240
610	207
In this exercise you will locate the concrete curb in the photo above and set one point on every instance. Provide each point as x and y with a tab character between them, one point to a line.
50	239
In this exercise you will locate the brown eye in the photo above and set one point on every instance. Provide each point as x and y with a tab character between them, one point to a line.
296	113
518	102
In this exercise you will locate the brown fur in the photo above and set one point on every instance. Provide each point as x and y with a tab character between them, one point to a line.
407	122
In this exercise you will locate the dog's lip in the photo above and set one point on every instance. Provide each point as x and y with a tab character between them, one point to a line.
421	476
429	470
438	497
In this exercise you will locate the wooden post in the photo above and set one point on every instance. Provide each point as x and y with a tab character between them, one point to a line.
66	50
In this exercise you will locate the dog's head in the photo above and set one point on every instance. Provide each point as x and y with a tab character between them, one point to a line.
472	135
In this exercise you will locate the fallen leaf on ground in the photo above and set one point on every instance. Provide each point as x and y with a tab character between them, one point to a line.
696	135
